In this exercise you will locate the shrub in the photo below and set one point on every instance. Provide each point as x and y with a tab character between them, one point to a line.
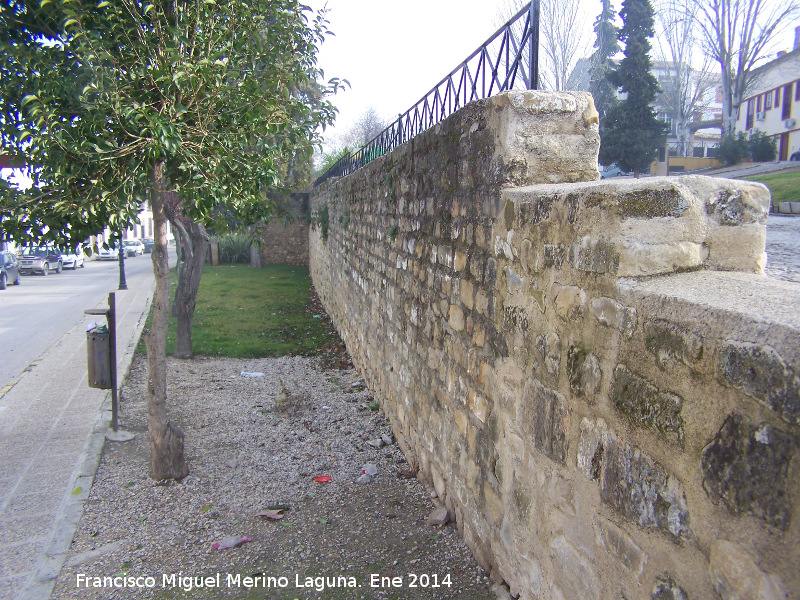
234	248
763	148
732	149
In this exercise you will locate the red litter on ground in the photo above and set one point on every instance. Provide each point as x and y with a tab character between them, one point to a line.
322	479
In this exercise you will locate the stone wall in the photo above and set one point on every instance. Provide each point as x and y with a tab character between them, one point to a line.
593	376
285	238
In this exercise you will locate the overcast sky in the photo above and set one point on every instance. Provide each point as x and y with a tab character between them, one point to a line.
393	53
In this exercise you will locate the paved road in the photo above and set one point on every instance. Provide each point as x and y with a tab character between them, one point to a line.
783	247
38	312
52	425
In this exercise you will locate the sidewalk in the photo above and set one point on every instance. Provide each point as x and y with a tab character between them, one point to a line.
52	428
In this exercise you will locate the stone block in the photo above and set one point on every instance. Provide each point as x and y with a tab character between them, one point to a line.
746	466
549	346
667	589
515	317
515	283
459	260
620	545
638	258
493	504
583	372
595	255
467	294
735	575
533	212
647	406
760	372
641	489
591	447
611	313
745	204
545	420
670	341
456	319
574	573
482	302
570	301
530	257
652	202
545	136
553	256
480	407
490	273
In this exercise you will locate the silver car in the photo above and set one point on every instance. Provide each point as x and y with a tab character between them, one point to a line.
40	259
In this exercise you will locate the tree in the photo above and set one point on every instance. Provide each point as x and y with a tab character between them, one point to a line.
561	38
366	127
685	88
631	132
737	34
193	242
361	132
116	102
602	60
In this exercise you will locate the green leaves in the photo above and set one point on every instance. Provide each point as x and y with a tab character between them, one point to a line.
224	93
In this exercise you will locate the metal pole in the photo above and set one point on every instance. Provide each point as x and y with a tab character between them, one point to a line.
112	340
123	285
533	43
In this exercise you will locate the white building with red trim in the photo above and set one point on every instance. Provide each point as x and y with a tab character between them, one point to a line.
772	104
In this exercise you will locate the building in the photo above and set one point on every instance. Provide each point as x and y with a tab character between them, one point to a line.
772	105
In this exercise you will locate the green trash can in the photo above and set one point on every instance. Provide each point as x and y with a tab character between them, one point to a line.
98	351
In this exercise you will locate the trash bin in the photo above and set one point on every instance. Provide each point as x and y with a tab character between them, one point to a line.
98	351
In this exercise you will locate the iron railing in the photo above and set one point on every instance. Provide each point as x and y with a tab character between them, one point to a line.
701	149
509	59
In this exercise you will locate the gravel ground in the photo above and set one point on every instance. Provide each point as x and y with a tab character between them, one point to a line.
251	448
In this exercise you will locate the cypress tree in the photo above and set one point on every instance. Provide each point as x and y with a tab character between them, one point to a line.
631	132
607	46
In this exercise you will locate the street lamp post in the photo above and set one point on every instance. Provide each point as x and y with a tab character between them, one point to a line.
122	283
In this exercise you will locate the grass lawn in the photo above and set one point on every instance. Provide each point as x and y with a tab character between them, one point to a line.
785	187
252	313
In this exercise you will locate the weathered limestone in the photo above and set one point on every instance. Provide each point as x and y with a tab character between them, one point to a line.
593	376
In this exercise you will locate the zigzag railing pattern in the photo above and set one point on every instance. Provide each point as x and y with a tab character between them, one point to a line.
507	60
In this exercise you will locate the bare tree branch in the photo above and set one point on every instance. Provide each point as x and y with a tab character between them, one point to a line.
738	35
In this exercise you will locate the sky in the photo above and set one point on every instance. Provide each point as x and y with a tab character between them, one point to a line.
393	53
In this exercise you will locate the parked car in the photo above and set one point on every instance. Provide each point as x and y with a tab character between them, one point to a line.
613	171
40	259
133	247
148	245
9	270
110	253
72	259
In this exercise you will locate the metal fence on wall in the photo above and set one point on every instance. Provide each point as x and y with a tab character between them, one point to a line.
508	60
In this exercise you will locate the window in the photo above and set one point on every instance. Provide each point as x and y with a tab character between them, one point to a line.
786	113
778	98
796	91
758	104
768	101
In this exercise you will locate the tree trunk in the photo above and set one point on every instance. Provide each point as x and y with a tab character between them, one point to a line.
255	249
178	247
166	440
195	246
